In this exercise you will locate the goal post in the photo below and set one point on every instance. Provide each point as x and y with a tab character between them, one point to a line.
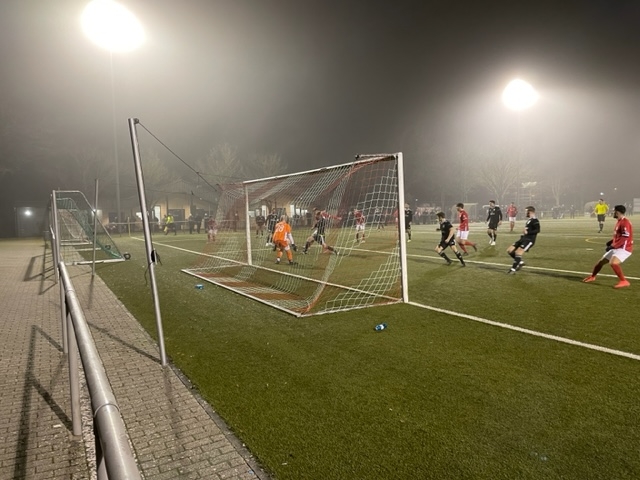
347	223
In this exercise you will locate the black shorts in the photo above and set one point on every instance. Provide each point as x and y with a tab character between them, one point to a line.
601	218
493	226
444	244
525	243
319	238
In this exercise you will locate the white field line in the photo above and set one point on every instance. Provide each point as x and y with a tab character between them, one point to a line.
531	332
526	331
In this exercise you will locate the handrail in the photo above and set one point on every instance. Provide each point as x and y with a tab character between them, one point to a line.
114	456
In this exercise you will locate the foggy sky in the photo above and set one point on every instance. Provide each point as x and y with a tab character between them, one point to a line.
320	81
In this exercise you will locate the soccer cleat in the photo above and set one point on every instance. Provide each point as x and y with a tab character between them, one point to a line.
465	254
493	244
511	272
278	262
292	262
622	284
449	262
463	264
408	240
589	279
475	249
336	252
520	265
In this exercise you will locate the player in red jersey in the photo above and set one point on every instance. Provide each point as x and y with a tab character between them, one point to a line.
463	230
359	220
619	248
512	213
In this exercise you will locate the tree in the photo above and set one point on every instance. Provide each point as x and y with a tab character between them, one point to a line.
156	177
221	165
465	175
265	165
505	171
500	173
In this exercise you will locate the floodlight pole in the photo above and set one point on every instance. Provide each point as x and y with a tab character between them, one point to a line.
151	257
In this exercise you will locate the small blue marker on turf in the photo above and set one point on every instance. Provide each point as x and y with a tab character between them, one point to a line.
199	286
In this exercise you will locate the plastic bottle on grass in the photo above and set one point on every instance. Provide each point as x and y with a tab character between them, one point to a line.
380	327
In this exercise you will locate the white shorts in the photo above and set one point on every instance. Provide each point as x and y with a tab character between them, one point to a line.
620	253
512	219
360	227
462	234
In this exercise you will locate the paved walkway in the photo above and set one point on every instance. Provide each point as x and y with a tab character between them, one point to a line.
174	433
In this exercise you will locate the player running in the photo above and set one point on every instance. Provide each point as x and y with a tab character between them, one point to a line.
283	240
619	248
526	241
463	230
494	219
447	240
322	219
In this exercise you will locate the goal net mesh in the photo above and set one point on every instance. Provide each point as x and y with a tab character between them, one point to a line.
355	263
77	229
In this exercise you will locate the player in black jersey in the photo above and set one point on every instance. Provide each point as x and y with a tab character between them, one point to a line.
448	239
408	218
272	219
494	219
322	222
526	241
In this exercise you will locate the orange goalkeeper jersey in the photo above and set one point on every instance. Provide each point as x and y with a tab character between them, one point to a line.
281	231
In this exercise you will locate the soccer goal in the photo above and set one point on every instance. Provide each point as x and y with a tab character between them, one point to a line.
81	238
345	224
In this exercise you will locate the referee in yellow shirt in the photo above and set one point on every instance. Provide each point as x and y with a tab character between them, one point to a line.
601	210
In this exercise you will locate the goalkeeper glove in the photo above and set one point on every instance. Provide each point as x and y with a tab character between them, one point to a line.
295	247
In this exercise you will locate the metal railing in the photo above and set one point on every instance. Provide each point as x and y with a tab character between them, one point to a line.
114	457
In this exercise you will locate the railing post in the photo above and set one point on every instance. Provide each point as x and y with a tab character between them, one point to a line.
101	466
74	378
63	316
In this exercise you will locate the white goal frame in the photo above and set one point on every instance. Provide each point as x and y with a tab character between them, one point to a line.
249	262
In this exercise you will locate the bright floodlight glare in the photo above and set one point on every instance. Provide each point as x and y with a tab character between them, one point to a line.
519	95
111	26
27	213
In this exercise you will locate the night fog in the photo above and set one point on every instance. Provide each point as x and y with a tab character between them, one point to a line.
316	82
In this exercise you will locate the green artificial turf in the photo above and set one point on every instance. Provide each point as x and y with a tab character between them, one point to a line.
435	395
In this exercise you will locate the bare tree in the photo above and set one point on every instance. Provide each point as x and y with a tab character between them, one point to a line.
265	165
157	177
221	165
500	173
465	175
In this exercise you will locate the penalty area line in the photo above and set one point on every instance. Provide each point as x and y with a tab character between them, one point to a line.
526	331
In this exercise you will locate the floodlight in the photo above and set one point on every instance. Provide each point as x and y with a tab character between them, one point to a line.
111	26
519	95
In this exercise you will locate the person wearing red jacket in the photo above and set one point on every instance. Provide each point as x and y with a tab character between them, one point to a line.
619	248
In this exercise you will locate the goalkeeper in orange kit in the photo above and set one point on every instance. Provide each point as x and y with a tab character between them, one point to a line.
283	240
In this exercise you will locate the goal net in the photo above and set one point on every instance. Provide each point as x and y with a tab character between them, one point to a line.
81	238
345	224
